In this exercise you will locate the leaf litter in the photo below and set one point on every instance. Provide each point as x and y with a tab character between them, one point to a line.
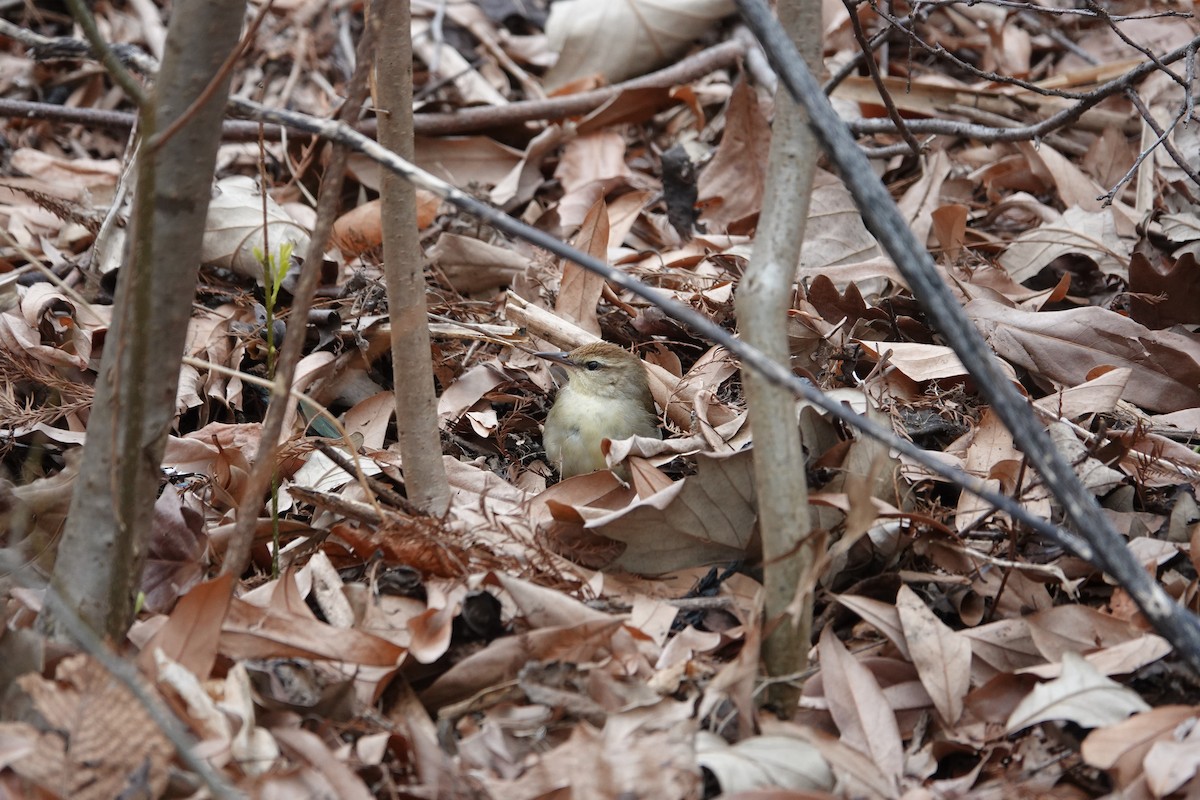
587	638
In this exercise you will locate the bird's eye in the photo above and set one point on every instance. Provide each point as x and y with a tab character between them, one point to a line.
592	366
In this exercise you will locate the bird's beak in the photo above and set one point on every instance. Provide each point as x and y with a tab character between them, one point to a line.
557	358
560	366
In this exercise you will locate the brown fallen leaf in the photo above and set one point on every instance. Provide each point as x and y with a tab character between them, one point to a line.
191	633
1081	695
1065	346
942	656
863	716
1091	234
504	658
704	518
1164	291
281	631
1120	748
579	291
472	265
634	37
731	186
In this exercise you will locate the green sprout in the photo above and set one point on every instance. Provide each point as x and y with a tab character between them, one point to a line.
274	271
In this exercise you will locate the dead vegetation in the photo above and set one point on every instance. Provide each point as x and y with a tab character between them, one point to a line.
587	634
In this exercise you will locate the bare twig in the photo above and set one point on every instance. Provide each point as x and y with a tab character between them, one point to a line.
1040	129
1145	51
884	95
116	69
1164	135
1050	10
466	120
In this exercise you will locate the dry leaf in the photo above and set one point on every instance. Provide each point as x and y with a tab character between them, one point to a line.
1121	747
475	266
579	291
1081	695
859	708
763	761
942	657
705	518
1067	346
234	234
731	186
1091	234
623	39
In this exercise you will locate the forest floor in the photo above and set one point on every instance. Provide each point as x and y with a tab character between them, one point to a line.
585	638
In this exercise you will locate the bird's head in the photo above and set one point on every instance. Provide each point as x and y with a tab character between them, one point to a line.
603	370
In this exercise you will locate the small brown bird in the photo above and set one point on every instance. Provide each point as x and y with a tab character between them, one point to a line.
607	396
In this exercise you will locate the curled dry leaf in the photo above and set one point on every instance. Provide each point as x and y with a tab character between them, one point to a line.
472	265
731	186
705	518
942	656
253	632
860	709
619	40
503	659
234	233
1091	234
1081	694
360	229
1066	346
1172	764
1120	659
763	761
1121	748
579	290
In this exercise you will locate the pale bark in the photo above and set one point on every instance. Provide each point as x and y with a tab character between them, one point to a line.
103	547
764	296
416	399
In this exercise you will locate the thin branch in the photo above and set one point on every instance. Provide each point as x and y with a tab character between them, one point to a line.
940	52
116	70
467	120
1145	51
1036	130
937	51
241	543
1051	10
94	117
1164	136
884	95
1108	197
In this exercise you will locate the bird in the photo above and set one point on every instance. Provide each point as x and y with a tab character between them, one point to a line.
607	396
